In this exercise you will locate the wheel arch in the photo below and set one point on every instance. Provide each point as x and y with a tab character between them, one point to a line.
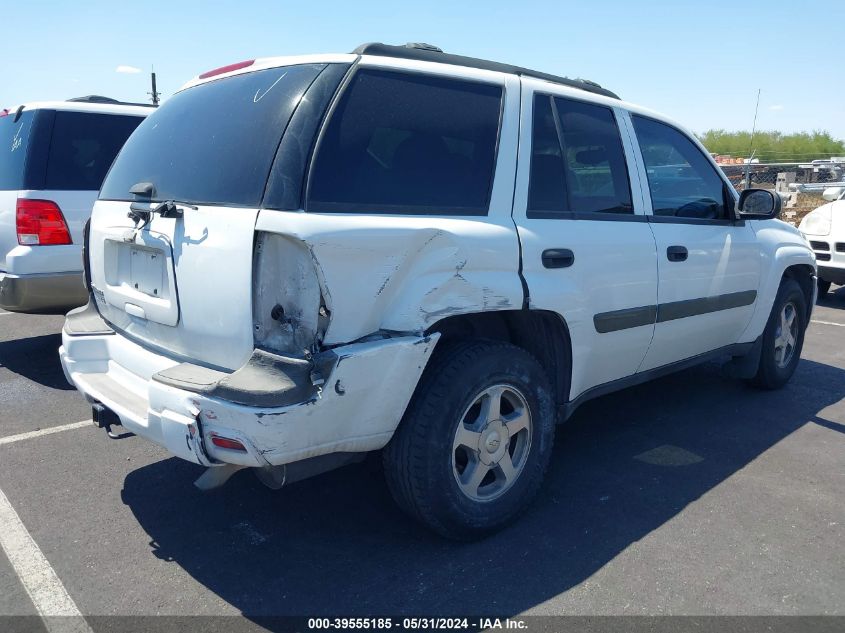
805	275
542	333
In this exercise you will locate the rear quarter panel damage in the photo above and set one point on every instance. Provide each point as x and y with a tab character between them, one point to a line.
401	273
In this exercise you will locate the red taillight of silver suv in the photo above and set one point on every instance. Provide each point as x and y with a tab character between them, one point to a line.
40	223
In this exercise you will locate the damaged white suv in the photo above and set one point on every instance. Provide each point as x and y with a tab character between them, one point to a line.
298	260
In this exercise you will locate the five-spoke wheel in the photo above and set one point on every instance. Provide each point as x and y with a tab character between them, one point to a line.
492	442
473	446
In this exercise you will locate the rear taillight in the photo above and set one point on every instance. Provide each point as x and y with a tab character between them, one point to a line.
41	223
227	69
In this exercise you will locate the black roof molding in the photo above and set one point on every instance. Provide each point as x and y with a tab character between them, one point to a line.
108	100
430	53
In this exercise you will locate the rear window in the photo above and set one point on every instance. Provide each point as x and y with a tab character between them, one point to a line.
83	146
403	143
14	141
214	143
577	160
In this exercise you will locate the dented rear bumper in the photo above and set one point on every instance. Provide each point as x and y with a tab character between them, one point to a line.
281	411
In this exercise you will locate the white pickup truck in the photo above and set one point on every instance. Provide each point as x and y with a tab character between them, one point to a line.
298	260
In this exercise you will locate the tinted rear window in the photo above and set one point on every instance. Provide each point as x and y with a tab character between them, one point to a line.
577	160
83	146
14	141
408	143
214	143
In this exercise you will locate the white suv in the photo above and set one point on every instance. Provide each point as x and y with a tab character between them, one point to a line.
53	157
298	260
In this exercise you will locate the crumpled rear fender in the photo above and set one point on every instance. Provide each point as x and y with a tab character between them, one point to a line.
404	274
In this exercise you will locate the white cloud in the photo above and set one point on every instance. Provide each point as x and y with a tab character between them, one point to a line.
776	107
129	70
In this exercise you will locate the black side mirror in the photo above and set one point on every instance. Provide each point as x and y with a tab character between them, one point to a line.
758	204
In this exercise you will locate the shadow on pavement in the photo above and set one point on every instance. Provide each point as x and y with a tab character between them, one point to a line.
35	358
835	298
336	544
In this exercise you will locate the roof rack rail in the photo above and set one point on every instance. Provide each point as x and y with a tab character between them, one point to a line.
430	53
108	100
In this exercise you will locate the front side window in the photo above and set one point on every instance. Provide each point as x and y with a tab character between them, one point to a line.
82	148
683	183
407	143
577	160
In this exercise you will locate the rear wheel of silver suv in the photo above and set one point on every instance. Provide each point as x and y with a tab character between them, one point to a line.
473	446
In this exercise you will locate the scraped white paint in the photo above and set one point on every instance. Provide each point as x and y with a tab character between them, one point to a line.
48	594
53	429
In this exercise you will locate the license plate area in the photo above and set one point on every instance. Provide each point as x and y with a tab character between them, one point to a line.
139	276
146	270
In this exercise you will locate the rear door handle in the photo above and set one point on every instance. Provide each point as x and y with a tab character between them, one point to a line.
677	253
558	258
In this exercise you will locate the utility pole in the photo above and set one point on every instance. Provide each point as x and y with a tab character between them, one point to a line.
154	95
751	148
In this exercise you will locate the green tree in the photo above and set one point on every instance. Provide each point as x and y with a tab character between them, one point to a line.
774	147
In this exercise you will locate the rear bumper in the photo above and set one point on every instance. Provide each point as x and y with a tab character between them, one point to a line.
357	409
42	292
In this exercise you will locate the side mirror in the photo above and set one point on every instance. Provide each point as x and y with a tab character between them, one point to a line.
758	204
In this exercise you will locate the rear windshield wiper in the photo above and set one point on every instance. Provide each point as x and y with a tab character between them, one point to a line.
138	211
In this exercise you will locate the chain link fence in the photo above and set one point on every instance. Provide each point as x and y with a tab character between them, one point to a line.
801	185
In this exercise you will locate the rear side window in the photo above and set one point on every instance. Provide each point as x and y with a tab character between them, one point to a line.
214	143
404	143
577	160
14	142
683	183
82	148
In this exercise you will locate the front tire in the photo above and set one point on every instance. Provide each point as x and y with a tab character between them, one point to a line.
473	447
783	337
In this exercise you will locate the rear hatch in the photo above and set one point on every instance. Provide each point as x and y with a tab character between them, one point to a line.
183	285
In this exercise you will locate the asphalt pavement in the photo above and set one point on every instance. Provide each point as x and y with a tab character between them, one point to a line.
693	494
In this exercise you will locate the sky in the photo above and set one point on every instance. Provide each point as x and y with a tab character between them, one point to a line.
700	63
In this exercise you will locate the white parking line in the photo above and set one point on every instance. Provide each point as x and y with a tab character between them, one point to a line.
40	432
827	323
46	591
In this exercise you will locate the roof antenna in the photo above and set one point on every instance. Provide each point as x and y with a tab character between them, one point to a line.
154	95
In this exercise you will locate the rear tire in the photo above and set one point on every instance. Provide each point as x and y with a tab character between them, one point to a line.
824	286
473	447
783	337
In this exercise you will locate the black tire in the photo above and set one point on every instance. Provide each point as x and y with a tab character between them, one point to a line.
422	463
823	286
772	373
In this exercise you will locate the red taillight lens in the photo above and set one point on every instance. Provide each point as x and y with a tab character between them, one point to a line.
225	442
41	223
227	69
